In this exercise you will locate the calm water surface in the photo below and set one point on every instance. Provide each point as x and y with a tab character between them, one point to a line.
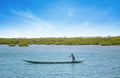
99	61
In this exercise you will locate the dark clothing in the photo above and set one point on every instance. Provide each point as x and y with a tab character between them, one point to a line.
73	57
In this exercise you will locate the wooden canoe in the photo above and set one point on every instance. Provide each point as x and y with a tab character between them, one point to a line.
51	62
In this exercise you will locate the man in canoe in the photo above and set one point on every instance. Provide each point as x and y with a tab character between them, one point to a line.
73	57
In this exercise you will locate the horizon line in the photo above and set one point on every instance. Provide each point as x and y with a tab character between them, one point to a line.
65	37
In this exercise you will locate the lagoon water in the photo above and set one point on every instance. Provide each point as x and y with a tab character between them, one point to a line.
99	61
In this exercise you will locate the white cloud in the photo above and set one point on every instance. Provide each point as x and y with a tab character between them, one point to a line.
32	26
29	26
27	14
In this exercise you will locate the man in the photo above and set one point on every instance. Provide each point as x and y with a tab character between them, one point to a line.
73	57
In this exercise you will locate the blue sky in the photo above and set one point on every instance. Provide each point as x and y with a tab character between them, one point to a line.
59	18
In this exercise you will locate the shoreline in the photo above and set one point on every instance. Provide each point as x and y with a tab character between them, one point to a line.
57	45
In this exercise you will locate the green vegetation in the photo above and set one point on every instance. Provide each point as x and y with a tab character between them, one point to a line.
62	41
12	44
22	44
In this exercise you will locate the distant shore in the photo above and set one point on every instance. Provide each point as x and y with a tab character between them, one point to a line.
103	41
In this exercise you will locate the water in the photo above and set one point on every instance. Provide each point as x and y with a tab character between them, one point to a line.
99	61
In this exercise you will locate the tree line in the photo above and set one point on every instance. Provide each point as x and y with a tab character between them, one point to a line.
104	41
